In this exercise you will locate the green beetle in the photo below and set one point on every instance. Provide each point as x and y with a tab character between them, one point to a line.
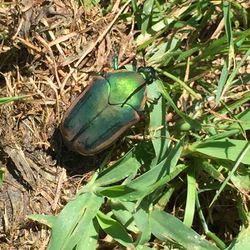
105	110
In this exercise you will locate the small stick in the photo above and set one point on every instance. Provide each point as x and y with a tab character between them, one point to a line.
100	38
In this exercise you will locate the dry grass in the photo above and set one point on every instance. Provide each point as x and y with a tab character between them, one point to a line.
47	51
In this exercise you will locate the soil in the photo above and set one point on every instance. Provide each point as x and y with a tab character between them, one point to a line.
49	52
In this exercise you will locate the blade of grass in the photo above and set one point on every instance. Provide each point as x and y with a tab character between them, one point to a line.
222	81
70	224
90	241
237	163
190	201
183	84
124	167
235	72
195	125
210	234
165	226
4	100
114	229
147	10
226	149
229	32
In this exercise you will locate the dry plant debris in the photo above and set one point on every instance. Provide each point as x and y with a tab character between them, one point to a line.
48	50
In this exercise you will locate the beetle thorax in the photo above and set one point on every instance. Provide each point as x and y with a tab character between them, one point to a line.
127	88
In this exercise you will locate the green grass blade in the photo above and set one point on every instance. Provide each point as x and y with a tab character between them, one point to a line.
114	229
2	170
235	71
226	149
70	225
182	84
124	212
190	201
165	227
194	124
146	183
89	239
48	220
229	33
147	10
4	100
210	234
158	131
126	166
240	158
222	81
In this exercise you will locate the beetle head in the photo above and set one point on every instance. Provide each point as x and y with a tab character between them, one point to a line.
148	73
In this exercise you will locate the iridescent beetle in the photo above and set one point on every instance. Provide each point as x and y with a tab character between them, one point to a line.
109	106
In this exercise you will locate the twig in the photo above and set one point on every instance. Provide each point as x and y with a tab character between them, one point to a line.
100	38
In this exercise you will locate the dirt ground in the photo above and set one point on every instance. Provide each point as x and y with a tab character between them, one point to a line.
48	52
